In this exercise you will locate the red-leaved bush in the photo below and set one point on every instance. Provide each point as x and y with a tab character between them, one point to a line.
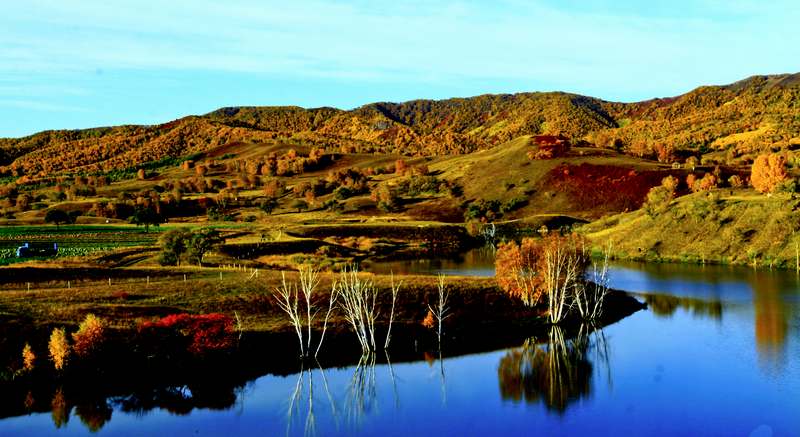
201	333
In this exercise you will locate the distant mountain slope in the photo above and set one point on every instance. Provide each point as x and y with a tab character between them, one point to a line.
730	121
748	116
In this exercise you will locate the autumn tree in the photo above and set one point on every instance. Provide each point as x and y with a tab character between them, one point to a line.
707	183
274	188
59	348
665	152
299	205
173	246
551	267
178	244
28	358
735	181
90	336
24	201
310	197
516	270
768	172
659	197
385	198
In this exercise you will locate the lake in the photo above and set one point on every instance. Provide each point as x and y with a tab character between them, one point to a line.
716	353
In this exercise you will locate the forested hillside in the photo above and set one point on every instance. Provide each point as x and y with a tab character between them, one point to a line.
722	124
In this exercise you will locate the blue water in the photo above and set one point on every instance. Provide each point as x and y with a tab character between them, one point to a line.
718	354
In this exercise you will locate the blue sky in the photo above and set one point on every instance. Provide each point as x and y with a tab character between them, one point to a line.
84	63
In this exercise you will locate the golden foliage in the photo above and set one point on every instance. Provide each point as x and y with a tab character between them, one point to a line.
517	270
429	321
28	358
90	336
535	268
59	348
768	172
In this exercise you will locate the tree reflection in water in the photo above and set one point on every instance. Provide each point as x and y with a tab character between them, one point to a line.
59	409
664	305
95	412
178	400
360	397
556	372
362	391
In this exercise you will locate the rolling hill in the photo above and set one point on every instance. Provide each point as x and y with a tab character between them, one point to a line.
722	123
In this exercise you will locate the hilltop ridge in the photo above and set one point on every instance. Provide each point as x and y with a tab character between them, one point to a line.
724	122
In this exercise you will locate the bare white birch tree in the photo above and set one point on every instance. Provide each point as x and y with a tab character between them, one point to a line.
441	310
309	279
332	299
590	297
358	301
395	291
287	298
563	269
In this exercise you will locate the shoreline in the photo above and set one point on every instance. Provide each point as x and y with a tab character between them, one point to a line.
131	375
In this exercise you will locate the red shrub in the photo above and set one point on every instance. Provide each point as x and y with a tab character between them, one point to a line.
120	295
203	333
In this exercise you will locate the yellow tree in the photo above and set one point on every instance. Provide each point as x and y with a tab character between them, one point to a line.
768	172
516	270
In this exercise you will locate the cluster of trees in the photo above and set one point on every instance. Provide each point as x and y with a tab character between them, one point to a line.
385	198
288	164
768	174
58	216
120	148
196	184
401	168
87	343
187	246
660	196
549	147
423	184
145	208
491	210
195	334
552	269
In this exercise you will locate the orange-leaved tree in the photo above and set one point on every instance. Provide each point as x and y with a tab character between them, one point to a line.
551	267
90	336
28	358
768	172
516	270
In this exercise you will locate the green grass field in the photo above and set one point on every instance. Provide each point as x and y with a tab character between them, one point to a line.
727	227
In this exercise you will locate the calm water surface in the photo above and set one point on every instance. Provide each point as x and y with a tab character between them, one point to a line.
717	353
